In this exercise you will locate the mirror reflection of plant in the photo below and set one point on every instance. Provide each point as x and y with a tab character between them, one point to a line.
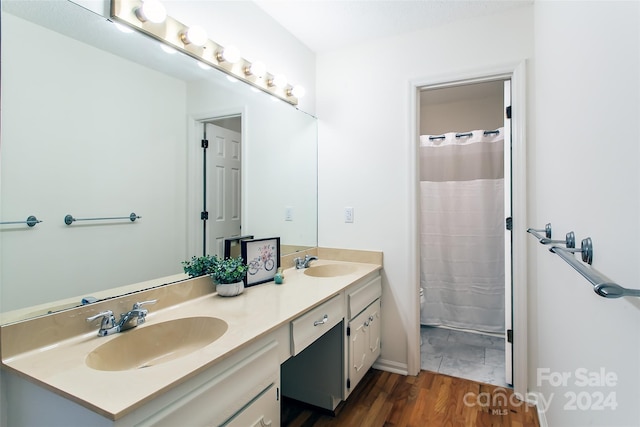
228	270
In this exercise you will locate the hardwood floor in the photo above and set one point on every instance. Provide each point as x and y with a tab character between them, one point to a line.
429	399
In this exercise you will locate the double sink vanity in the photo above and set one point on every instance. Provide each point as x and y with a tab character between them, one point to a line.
199	358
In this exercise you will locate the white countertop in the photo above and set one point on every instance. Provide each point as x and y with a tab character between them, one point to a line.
257	311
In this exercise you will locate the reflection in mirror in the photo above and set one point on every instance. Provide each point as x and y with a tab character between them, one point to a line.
100	132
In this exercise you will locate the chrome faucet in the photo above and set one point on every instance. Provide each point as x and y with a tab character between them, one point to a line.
134	317
303	263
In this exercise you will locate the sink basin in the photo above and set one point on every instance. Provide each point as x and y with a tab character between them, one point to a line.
151	345
329	270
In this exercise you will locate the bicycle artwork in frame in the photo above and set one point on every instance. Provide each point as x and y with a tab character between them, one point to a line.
263	258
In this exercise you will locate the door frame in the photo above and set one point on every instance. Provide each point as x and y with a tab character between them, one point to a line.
516	72
194	172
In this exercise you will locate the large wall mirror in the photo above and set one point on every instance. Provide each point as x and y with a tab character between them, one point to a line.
97	123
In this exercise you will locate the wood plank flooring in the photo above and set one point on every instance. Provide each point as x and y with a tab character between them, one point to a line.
429	399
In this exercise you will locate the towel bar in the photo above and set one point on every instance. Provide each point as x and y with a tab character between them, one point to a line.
602	285
31	221
69	219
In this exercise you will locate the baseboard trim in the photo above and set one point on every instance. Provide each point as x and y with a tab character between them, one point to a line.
533	399
391	366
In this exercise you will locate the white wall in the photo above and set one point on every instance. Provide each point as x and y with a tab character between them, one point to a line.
584	163
456	115
365	147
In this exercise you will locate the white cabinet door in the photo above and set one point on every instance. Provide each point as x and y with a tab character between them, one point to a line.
374	332
358	349
364	342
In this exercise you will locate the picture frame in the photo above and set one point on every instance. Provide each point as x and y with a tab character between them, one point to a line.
263	258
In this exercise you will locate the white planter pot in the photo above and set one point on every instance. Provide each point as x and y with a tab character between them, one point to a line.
230	289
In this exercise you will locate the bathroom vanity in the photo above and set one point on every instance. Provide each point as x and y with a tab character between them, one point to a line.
231	371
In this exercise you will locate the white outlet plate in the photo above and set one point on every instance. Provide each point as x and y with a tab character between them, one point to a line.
348	214
288	213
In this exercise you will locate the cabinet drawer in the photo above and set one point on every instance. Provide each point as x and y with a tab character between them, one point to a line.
312	325
264	411
359	299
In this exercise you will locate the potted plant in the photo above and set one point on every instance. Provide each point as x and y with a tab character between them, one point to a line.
228	274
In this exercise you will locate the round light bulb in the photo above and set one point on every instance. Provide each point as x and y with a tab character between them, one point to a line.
279	81
257	69
298	91
152	10
231	54
195	35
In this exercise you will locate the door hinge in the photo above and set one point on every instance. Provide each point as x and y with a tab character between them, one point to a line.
510	335
277	393
509	223
348	383
204	215
348	331
204	143
508	112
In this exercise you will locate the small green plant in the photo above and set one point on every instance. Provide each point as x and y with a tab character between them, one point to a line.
228	270
198	266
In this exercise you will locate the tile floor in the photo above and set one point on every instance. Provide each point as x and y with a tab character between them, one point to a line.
463	354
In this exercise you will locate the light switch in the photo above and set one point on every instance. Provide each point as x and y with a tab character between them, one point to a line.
348	214
288	213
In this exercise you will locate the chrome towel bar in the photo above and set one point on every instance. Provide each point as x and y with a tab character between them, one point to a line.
602	285
31	221
69	219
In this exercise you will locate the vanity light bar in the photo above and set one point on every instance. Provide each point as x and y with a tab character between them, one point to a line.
171	32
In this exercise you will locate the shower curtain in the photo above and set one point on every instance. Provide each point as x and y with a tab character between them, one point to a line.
462	230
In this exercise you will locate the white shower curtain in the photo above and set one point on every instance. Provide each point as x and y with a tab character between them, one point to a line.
462	230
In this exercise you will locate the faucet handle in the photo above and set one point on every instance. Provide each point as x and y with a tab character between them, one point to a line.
138	305
105	315
108	324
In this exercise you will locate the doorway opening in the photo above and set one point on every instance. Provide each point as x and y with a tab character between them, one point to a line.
464	192
221	143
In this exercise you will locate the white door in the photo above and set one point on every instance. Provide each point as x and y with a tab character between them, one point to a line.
508	276
223	187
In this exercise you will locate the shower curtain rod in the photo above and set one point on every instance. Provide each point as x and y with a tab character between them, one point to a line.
469	134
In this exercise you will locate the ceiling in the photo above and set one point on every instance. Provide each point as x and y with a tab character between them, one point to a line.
324	25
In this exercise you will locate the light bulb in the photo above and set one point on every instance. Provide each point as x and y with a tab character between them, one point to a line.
279	81
231	54
195	35
151	10
257	69
298	91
